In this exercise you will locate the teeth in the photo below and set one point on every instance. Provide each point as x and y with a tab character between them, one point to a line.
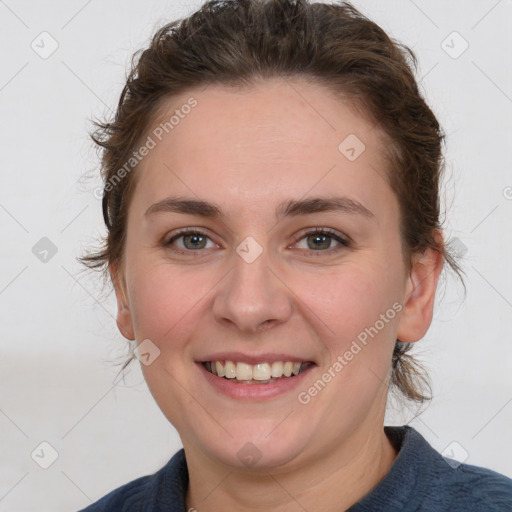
258	372
261	371
277	369
243	371
219	369
230	369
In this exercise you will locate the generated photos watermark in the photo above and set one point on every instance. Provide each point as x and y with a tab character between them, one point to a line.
150	143
344	359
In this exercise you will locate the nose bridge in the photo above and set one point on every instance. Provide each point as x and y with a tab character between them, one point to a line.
252	295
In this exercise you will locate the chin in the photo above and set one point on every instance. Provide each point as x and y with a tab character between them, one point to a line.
258	456
256	447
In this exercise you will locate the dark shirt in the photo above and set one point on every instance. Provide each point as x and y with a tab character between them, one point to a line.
420	480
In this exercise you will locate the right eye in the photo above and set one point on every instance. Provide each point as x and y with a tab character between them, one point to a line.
191	240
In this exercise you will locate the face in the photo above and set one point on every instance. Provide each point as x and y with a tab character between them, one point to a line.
294	264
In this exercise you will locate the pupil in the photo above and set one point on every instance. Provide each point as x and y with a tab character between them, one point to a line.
194	239
321	238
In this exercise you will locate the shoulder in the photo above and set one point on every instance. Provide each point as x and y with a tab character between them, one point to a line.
126	498
449	485
148	493
471	487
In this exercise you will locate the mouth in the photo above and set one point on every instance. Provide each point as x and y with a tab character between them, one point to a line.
260	373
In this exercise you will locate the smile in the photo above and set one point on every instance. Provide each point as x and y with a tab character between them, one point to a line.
260	373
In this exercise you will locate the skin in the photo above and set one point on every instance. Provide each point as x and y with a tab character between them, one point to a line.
246	151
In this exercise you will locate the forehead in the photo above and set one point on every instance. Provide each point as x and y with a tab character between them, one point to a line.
255	143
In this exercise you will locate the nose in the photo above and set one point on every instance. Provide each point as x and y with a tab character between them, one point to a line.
252	297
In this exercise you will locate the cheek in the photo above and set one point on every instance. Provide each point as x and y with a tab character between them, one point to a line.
358	323
348	300
349	304
164	298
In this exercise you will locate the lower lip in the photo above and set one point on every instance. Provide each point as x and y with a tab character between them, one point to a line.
254	391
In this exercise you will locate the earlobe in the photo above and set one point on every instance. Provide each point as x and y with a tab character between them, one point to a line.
124	317
420	294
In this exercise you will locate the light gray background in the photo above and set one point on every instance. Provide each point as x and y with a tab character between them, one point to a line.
58	336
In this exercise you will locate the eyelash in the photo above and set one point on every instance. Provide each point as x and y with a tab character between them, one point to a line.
344	243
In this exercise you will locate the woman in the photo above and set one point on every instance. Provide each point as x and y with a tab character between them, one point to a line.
272	203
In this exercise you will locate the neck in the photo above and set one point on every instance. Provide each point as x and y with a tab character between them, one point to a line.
331	481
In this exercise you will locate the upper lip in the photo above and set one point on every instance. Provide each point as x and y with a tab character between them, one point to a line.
253	358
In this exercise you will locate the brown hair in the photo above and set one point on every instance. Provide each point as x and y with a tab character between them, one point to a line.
237	42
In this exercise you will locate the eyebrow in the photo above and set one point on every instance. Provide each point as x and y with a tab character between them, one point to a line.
290	208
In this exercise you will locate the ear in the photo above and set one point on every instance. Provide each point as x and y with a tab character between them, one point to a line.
124	316
420	292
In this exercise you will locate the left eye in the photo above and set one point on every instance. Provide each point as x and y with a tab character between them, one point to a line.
319	240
